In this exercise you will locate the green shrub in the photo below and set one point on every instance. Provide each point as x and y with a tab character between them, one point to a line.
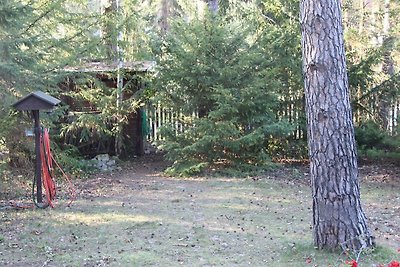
374	153
186	169
369	135
391	143
20	147
70	160
375	144
285	148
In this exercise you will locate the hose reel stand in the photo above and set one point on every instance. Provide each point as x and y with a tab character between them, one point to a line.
35	102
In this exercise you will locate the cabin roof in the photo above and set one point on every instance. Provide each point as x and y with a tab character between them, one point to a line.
98	66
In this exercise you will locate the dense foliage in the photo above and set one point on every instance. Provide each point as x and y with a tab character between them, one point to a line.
21	70
38	40
225	91
231	76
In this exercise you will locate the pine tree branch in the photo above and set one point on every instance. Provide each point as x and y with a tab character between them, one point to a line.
379	88
41	16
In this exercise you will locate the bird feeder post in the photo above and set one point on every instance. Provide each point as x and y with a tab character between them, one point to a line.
38	166
35	102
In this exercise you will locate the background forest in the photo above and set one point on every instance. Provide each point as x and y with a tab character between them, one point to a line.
226	75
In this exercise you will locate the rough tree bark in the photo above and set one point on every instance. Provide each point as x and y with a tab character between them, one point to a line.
338	218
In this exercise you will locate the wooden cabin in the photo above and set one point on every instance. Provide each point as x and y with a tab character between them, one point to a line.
132	74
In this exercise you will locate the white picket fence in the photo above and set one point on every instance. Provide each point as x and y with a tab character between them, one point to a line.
158	116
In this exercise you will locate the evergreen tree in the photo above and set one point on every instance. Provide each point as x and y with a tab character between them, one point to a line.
37	39
225	90
19	68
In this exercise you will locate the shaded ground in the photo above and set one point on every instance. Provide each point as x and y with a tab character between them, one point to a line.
137	217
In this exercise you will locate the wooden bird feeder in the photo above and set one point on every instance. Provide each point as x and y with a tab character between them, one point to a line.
35	102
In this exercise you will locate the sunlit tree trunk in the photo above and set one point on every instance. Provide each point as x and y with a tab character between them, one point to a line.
110	30
115	53
213	6
338	218
164	16
387	67
361	20
204	108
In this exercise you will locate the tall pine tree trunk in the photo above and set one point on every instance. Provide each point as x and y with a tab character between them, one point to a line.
338	218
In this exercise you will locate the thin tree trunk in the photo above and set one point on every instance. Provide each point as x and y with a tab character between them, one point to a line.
338	218
361	21
120	78
387	68
164	25
110	31
115	54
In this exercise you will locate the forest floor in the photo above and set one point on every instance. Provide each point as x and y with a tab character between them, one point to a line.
138	217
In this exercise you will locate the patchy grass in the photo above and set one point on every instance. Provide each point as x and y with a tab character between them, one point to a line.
140	218
305	255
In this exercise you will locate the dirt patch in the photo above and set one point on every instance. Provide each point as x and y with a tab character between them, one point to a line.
388	174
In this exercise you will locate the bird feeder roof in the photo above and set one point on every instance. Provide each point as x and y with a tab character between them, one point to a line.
36	101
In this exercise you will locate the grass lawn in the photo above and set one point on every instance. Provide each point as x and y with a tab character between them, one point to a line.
137	217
